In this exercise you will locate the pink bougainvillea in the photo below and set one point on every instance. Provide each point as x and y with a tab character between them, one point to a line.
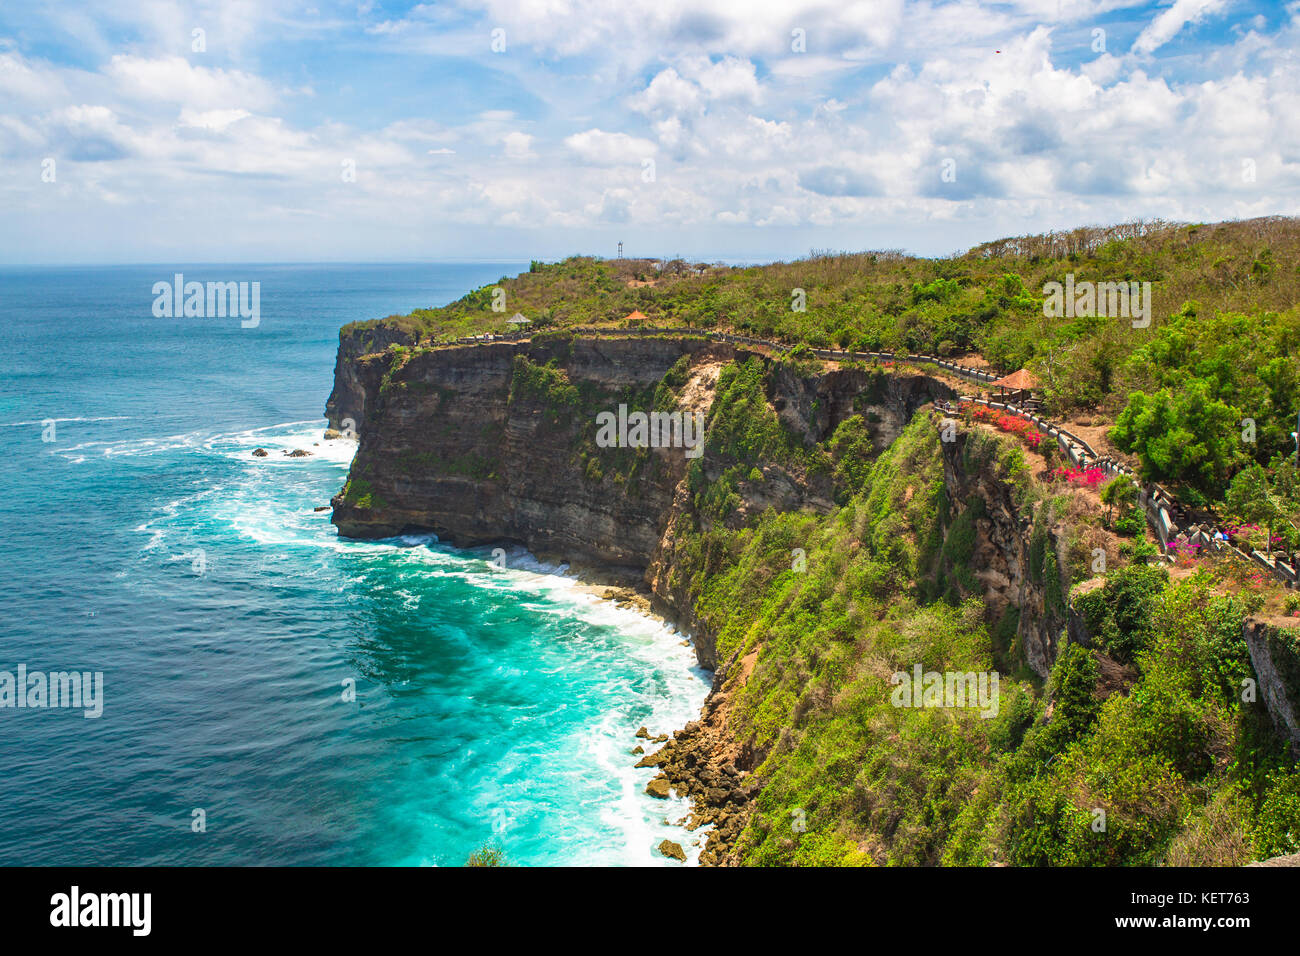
1088	477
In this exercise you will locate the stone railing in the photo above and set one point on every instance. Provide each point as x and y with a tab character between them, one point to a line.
1162	511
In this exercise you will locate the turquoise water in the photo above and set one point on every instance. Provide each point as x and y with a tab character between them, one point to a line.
145	541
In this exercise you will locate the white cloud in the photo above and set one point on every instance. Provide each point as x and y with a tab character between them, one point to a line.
731	78
517	146
19	81
215	120
695	83
1167	23
175	80
667	92
745	134
608	149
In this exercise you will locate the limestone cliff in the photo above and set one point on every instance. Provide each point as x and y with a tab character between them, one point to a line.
1275	656
1014	554
493	443
356	377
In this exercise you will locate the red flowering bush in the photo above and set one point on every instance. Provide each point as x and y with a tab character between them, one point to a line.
1088	477
1184	551
1004	422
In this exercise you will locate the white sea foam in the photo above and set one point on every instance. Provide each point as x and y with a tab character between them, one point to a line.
276	439
261	505
308	436
548	589
129	447
60	421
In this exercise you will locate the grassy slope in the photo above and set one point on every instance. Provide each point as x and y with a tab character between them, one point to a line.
1183	769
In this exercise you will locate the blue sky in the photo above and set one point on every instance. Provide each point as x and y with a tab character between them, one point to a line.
712	129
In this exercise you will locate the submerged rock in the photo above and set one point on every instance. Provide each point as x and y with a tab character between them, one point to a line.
259	453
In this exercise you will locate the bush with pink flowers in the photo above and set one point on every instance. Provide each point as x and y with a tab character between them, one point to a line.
1087	477
1003	422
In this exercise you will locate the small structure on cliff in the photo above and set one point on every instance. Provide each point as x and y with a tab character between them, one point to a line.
518	320
1018	388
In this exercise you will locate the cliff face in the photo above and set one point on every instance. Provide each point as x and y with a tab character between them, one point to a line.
1276	659
493	443
451	444
355	378
1005	560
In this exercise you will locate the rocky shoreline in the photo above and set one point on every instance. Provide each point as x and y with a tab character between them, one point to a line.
702	763
698	761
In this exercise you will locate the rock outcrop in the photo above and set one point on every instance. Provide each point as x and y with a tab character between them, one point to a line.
359	365
1003	559
1276	659
1290	859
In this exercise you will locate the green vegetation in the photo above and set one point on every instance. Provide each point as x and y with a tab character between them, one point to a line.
1267	503
1182	768
359	494
574	408
851	452
743	431
1118	615
487	855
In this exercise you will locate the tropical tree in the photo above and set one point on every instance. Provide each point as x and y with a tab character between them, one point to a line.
1119	493
1251	499
1185	436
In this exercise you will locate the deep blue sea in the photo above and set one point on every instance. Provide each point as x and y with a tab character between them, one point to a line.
229	620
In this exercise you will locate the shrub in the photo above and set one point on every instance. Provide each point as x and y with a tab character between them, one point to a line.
1118	615
487	856
1184	435
1277	829
1130	524
851	453
1071	687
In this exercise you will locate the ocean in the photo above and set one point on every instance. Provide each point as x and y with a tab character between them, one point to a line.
274	694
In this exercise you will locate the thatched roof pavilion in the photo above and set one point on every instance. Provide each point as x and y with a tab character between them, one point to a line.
1017	387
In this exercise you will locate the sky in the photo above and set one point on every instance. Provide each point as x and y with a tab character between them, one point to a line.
157	131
